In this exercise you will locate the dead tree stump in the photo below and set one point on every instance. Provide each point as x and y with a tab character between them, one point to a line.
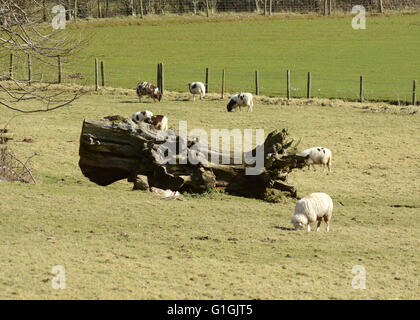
116	148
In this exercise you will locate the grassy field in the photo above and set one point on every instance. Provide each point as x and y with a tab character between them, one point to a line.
384	53
116	243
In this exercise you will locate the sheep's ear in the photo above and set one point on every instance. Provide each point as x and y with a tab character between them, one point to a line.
307	156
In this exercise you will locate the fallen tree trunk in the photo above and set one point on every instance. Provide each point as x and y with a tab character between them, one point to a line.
116	148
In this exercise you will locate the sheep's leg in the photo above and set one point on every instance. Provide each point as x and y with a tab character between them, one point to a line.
313	165
326	221
317	226
139	99
309	228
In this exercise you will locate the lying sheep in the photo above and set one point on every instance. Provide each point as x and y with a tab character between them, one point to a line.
197	88
159	122
318	155
316	206
141	116
240	100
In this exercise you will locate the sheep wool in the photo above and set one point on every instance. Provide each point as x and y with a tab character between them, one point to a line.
314	207
318	155
197	88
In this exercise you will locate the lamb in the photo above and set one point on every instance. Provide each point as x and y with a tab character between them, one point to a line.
159	122
318	155
197	88
316	206
239	100
141	116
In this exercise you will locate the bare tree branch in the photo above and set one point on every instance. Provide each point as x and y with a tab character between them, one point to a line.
23	34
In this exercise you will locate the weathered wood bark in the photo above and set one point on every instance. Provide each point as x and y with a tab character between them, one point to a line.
115	148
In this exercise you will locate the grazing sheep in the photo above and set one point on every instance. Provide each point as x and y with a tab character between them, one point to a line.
239	100
197	88
316	206
318	155
141	116
147	89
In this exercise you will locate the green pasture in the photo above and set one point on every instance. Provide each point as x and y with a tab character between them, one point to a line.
115	243
386	54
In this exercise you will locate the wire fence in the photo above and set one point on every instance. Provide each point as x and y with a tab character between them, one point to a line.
272	83
113	8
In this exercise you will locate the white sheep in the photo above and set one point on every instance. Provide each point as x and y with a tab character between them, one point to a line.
316	206
197	88
318	155
141	116
240	100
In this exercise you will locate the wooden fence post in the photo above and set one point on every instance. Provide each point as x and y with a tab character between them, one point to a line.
414	102
29	70
288	84
325	7
103	74
257	89
96	74
11	66
158	75
308	92
223	83
265	7
271	7
59	69
329	7
162	78
361	89
207	80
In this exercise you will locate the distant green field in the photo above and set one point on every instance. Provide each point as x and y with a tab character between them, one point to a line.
386	54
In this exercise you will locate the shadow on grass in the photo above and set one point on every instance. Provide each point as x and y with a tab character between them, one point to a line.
131	101
284	228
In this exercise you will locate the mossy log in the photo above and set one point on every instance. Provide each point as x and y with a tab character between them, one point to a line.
116	148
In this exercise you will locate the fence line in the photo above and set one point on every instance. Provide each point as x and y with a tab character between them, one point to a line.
303	85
